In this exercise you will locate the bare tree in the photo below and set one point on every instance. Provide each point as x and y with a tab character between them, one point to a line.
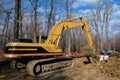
20	22
5	31
34	5
17	18
67	31
100	21
68	9
107	16
5	19
50	15
117	42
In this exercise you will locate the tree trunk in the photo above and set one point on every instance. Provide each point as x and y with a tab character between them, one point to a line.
17	18
68	44
20	23
50	16
35	19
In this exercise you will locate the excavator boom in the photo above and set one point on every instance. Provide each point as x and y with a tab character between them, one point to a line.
67	24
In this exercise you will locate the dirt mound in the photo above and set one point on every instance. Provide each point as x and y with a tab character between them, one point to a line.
111	67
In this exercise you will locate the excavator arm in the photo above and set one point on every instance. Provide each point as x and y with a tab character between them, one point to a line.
54	35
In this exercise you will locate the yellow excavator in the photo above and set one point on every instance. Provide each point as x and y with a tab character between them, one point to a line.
44	56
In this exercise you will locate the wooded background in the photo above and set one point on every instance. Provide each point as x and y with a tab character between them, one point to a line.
31	18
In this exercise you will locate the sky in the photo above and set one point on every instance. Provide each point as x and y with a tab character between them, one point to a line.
86	5
83	7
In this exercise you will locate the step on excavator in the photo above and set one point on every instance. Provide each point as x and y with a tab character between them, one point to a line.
44	56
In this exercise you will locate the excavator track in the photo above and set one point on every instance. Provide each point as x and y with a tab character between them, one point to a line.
47	66
17	65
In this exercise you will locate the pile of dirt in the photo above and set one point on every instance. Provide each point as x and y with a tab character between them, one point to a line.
111	67
101	70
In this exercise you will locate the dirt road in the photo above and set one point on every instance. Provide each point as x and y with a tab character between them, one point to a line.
104	70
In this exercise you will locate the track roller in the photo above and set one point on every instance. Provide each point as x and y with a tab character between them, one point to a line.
17	65
33	68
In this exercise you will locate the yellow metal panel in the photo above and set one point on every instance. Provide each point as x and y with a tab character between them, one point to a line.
31	55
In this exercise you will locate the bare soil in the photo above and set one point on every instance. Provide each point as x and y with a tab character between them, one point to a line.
104	70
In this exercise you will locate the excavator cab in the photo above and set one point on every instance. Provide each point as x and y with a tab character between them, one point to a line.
41	39
24	40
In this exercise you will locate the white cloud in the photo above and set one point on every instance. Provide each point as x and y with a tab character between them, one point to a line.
86	11
115	20
41	10
116	11
116	14
26	14
115	24
116	32
116	7
79	3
